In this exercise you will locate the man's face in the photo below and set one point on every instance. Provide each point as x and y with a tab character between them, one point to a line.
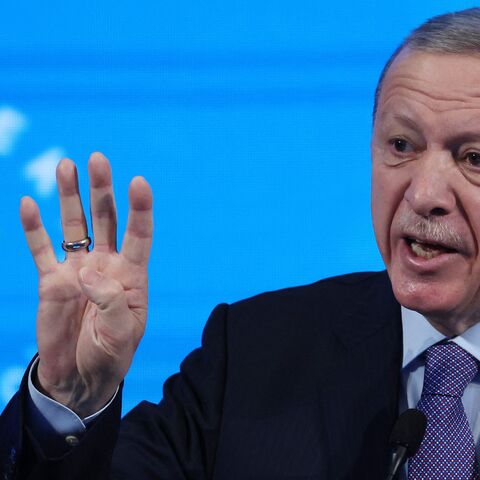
426	183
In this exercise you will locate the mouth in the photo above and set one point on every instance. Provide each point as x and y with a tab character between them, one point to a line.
427	249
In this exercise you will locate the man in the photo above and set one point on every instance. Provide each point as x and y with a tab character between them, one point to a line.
301	383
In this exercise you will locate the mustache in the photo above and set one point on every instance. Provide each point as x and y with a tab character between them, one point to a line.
433	230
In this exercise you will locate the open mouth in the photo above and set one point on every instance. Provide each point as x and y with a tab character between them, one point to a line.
427	250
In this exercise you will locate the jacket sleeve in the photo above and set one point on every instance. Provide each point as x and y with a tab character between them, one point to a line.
175	439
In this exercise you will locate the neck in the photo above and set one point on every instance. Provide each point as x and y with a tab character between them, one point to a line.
451	325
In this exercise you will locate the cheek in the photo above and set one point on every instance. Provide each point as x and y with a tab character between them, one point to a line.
387	195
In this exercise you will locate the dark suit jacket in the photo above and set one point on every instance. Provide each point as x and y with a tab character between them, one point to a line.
301	383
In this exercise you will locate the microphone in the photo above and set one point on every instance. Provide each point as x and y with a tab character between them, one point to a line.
405	439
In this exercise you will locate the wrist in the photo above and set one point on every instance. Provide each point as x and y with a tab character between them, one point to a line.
75	394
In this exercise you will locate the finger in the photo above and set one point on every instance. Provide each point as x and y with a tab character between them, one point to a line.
74	224
37	238
138	236
109	296
107	293
102	203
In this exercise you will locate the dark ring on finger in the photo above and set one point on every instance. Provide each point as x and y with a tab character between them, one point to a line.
77	245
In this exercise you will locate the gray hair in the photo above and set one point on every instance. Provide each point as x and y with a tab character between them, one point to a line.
450	33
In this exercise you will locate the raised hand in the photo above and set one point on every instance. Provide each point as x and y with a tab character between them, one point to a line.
93	306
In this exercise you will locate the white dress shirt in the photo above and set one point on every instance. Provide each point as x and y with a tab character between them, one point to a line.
47	417
418	335
55	425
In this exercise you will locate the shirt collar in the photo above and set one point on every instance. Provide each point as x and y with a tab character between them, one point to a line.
419	334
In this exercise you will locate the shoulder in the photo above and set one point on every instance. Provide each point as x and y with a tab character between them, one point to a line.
333	292
289	335
312	312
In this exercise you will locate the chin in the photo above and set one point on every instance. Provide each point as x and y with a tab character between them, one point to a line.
429	296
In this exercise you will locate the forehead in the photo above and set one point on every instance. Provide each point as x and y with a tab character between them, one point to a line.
432	85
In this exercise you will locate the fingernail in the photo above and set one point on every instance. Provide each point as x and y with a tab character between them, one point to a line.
89	276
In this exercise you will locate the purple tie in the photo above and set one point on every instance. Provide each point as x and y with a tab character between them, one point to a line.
447	450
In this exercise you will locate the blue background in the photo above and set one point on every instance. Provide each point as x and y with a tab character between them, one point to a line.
250	119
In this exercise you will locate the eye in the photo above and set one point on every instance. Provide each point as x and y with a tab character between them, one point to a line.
400	145
473	158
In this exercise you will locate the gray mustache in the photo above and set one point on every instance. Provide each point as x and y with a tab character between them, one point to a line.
432	230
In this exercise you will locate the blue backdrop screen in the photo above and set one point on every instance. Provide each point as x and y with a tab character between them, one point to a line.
251	120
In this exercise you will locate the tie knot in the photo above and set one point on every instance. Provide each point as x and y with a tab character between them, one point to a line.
448	370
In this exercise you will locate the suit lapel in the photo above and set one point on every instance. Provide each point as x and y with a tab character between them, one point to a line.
361	404
375	308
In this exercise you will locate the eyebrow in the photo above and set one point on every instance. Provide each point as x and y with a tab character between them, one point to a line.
455	139
403	119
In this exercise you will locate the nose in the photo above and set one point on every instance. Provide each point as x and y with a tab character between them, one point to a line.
430	191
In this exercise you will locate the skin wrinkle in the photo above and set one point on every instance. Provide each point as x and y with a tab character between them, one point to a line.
428	101
401	118
105	208
404	118
404	115
74	222
389	120
411	84
412	48
462	96
68	307
460	105
44	248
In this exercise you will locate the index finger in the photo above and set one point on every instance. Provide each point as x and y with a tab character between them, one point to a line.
138	235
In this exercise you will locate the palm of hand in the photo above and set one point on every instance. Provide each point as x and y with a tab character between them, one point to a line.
88	331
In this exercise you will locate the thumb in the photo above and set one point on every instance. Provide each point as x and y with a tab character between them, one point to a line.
105	292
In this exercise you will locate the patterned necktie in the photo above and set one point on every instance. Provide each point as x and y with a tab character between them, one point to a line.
447	450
